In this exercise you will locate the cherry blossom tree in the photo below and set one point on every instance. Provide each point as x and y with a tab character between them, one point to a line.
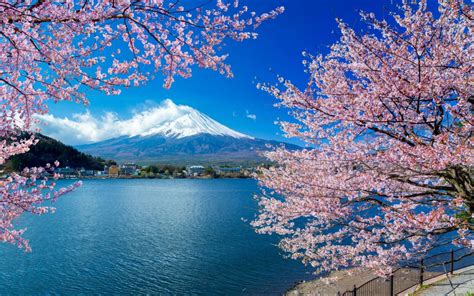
388	173
54	50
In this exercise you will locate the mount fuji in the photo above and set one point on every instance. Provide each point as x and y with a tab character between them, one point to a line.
183	136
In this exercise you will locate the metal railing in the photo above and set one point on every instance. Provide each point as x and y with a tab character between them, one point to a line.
412	275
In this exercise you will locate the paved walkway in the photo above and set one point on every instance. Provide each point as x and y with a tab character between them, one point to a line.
319	287
457	284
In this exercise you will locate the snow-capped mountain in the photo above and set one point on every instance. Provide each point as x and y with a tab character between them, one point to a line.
186	121
166	119
178	134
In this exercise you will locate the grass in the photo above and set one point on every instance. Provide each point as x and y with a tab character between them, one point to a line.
420	289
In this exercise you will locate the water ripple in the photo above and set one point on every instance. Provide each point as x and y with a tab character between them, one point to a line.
149	237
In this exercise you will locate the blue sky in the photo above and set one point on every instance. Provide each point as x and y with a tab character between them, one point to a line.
306	25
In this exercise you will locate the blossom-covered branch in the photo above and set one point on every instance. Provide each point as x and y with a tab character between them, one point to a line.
55	50
26	192
389	118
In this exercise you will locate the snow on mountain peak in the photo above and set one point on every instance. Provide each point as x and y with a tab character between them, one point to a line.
184	121
166	119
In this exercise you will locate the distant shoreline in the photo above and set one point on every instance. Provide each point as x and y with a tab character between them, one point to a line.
149	178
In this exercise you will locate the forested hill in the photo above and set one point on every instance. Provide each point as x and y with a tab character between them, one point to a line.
48	150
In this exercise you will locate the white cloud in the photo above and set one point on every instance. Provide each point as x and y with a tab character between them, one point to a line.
165	118
85	128
250	116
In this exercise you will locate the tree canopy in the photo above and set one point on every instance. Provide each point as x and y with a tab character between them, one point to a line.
389	112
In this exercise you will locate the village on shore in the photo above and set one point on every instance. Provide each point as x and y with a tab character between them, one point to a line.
133	171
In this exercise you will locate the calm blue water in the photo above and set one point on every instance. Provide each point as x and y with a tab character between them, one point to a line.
149	236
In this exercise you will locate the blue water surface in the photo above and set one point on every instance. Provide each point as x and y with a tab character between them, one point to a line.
149	236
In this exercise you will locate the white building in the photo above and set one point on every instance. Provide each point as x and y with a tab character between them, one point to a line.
195	170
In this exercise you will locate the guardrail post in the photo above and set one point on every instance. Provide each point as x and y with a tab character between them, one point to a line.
421	272
452	261
355	291
391	286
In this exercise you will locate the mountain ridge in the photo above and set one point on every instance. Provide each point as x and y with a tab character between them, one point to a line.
183	135
197	149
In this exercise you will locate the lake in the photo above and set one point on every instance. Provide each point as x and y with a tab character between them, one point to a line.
149	236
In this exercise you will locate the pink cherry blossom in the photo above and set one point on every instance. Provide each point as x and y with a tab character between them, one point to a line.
55	50
387	115
25	193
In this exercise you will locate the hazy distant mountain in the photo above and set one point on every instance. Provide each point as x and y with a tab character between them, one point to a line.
189	137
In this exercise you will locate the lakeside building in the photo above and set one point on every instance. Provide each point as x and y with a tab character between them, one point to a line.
100	173
113	171
195	170
228	170
86	173
67	172
128	169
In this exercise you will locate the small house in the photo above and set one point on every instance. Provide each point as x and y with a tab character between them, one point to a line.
114	171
